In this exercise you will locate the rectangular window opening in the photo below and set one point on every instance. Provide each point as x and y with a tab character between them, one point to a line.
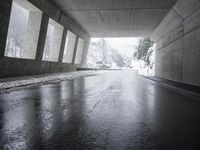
69	47
53	41
23	32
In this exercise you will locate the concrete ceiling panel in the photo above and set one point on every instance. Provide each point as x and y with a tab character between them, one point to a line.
115	18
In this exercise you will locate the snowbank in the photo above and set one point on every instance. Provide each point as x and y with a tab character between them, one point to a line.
41	79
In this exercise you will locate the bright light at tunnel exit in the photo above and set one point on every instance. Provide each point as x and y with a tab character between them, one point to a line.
124	45
118	53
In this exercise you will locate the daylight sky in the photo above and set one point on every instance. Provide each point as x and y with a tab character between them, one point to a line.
125	46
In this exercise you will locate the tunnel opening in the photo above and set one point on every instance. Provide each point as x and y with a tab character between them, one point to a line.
126	53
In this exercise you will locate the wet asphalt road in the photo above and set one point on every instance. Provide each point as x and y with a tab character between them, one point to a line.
117	110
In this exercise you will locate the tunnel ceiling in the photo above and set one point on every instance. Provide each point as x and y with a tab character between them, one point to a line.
117	18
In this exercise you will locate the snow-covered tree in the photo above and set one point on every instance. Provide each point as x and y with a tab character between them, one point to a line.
102	56
144	57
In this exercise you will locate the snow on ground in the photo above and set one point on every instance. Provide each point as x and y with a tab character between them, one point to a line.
142	69
13	83
102	56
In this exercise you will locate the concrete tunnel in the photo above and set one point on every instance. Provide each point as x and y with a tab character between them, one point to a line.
54	38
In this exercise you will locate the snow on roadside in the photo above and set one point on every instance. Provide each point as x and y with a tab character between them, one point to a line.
35	80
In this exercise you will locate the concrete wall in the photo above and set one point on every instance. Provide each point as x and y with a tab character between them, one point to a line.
20	67
178	43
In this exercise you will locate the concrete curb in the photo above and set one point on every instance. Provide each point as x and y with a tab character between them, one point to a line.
44	79
181	87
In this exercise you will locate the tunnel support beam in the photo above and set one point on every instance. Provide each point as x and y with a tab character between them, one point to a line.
84	57
42	37
75	50
62	48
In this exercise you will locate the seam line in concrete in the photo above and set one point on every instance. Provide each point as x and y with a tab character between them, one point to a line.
170	43
178	14
60	16
191	13
82	10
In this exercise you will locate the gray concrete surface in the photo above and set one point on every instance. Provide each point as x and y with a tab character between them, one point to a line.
177	39
16	83
110	18
84	57
115	111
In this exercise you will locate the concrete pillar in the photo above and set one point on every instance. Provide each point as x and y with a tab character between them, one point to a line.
84	57
79	51
75	50
5	11
42	37
62	45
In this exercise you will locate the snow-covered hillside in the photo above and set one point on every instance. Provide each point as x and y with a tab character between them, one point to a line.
102	56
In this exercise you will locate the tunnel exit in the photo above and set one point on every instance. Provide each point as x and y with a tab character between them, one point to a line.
136	54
